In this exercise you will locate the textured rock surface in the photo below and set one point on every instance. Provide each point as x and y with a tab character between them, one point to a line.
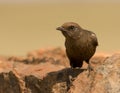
104	79
48	71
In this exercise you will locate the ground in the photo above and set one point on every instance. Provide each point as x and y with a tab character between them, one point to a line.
48	71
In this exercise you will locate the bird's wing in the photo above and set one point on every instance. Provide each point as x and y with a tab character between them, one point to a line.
94	39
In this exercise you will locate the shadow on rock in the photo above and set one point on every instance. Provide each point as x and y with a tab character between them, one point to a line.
54	82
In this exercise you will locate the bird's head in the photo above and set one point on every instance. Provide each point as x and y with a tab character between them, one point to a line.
70	30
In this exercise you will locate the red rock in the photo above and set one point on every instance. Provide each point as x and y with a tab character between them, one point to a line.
48	71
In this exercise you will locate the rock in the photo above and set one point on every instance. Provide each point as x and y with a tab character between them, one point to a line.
104	79
54	82
9	83
55	56
48	71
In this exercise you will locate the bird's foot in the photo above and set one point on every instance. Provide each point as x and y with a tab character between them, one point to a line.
89	69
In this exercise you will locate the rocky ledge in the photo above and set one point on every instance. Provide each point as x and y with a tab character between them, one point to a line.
48	71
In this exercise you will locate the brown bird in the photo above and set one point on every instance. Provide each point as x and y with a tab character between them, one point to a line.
80	44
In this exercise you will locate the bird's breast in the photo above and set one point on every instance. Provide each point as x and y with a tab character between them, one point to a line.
79	48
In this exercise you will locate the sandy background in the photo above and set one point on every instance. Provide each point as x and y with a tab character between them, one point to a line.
28	26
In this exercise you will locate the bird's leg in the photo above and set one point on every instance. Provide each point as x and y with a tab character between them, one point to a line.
89	69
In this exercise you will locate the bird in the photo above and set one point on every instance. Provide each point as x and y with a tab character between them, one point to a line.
80	44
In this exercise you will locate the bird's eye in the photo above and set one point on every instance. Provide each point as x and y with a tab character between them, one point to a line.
71	28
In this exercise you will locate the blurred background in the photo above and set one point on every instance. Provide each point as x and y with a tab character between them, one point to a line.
27	25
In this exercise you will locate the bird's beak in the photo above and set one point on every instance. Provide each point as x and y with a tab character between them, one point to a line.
60	29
